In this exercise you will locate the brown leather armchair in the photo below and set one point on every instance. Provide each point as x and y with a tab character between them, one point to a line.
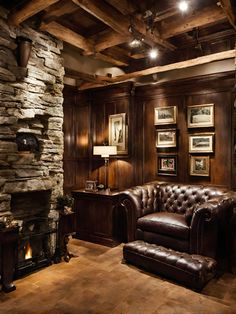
185	218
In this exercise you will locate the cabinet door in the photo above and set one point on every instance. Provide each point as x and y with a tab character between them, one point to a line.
83	216
102	218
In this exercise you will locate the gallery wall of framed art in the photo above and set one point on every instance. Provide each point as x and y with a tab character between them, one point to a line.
210	101
198	117
165	119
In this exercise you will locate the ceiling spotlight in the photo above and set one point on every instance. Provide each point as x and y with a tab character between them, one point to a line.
135	43
153	53
183	6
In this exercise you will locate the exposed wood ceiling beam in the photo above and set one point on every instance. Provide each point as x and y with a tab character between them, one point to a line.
105	13
125	6
60	9
207	38
67	35
228	10
110	59
174	66
29	9
137	56
206	16
179	65
117	21
166	14
151	37
118	53
87	77
109	39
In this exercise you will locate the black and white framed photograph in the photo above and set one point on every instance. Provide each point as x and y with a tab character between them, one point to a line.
166	138
118	132
167	164
201	143
165	115
201	116
200	166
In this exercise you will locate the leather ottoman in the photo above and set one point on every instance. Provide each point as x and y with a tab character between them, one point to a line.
193	271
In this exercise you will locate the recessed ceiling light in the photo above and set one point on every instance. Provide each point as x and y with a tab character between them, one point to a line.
183	6
153	53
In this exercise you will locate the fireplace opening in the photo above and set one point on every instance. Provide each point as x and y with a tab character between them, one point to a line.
34	250
31	210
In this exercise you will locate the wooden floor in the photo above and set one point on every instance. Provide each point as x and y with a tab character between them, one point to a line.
97	282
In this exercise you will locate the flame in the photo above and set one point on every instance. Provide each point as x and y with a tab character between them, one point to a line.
28	251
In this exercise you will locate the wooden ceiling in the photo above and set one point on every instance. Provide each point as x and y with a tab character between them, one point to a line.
104	29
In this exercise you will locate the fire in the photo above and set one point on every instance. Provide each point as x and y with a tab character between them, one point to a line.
28	251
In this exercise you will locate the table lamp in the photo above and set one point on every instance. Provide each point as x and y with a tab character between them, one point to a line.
105	152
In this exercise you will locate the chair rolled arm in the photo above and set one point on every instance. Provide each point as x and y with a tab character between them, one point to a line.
129	206
206	221
137	202
217	207
207	211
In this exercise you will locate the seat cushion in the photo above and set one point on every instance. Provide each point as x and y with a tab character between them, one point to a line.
170	224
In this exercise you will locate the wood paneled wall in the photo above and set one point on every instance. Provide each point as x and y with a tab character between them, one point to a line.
86	124
216	89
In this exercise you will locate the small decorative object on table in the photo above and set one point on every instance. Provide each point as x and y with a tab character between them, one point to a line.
91	186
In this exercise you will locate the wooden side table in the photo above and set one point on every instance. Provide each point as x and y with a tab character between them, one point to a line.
97	216
66	227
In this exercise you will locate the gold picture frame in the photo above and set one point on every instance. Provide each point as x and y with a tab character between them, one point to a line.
201	143
165	115
200	116
118	132
166	138
200	166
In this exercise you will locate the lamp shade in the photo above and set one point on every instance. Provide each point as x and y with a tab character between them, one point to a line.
105	151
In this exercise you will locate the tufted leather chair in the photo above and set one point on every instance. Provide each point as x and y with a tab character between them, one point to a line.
186	218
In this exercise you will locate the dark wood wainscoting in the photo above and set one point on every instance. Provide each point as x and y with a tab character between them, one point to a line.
86	124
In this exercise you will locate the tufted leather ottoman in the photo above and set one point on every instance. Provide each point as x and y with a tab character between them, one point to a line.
193	271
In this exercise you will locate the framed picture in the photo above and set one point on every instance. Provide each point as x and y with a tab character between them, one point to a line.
167	165
91	186
200	166
201	143
166	138
118	132
165	115
201	116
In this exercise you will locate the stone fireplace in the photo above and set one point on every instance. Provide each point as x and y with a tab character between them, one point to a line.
31	136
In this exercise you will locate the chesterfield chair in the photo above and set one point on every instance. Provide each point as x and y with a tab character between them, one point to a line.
186	218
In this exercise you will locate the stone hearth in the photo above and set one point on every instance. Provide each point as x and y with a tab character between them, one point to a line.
30	104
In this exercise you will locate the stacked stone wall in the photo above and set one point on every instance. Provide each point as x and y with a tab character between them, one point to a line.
30	102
